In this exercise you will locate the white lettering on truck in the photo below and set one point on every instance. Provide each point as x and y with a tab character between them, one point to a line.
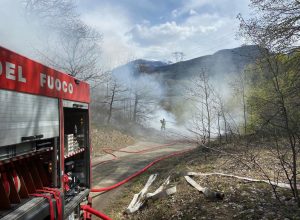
51	83
20	75
57	85
65	86
11	73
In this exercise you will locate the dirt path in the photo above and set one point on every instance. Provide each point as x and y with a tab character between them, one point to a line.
127	163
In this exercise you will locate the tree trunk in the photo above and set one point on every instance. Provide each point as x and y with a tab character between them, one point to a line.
244	109
136	101
111	104
208	114
219	129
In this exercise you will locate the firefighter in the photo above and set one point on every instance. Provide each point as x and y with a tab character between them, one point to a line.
163	124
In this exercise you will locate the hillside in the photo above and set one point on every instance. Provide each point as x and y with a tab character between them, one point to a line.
243	199
136	67
173	78
220	63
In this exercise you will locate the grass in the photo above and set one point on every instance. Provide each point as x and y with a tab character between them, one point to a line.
243	200
108	137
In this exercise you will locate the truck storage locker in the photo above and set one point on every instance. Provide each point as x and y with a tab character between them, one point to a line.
25	116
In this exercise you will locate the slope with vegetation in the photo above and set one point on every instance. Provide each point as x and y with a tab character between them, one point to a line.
242	200
255	134
108	137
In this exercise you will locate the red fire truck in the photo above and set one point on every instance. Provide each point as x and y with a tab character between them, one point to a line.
45	168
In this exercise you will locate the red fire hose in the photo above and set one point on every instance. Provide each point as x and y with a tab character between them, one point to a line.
51	211
87	208
56	195
105	161
109	151
139	172
148	149
95	212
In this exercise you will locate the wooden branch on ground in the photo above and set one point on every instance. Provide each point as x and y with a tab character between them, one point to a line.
279	184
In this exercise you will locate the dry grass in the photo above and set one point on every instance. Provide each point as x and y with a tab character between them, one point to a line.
243	200
106	137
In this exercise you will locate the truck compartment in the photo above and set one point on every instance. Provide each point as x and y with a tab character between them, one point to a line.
44	141
30	166
23	176
76	155
76	151
26	117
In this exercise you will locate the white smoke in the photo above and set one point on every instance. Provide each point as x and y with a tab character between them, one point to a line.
17	32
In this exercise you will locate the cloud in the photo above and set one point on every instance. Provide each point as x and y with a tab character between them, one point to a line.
222	7
112	22
161	34
137	30
193	12
174	13
195	27
196	34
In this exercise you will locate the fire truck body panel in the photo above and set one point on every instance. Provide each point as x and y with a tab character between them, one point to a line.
27	116
18	73
44	138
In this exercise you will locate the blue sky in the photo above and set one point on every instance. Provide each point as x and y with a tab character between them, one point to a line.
132	29
154	29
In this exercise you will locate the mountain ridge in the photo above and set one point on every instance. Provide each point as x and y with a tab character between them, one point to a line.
222	62
221	67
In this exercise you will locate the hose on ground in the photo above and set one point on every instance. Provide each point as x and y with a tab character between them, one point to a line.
105	189
109	151
139	172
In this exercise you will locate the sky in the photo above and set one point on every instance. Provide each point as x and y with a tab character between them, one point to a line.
134	29
155	29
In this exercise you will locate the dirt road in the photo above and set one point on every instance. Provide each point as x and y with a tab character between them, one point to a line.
126	164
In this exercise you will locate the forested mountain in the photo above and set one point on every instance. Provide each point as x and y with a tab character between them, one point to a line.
173	78
136	67
222	62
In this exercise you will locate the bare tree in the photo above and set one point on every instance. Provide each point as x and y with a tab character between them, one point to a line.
201	92
239	88
275	25
222	115
74	46
116	95
111	101
78	53
286	117
54	14
145	101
